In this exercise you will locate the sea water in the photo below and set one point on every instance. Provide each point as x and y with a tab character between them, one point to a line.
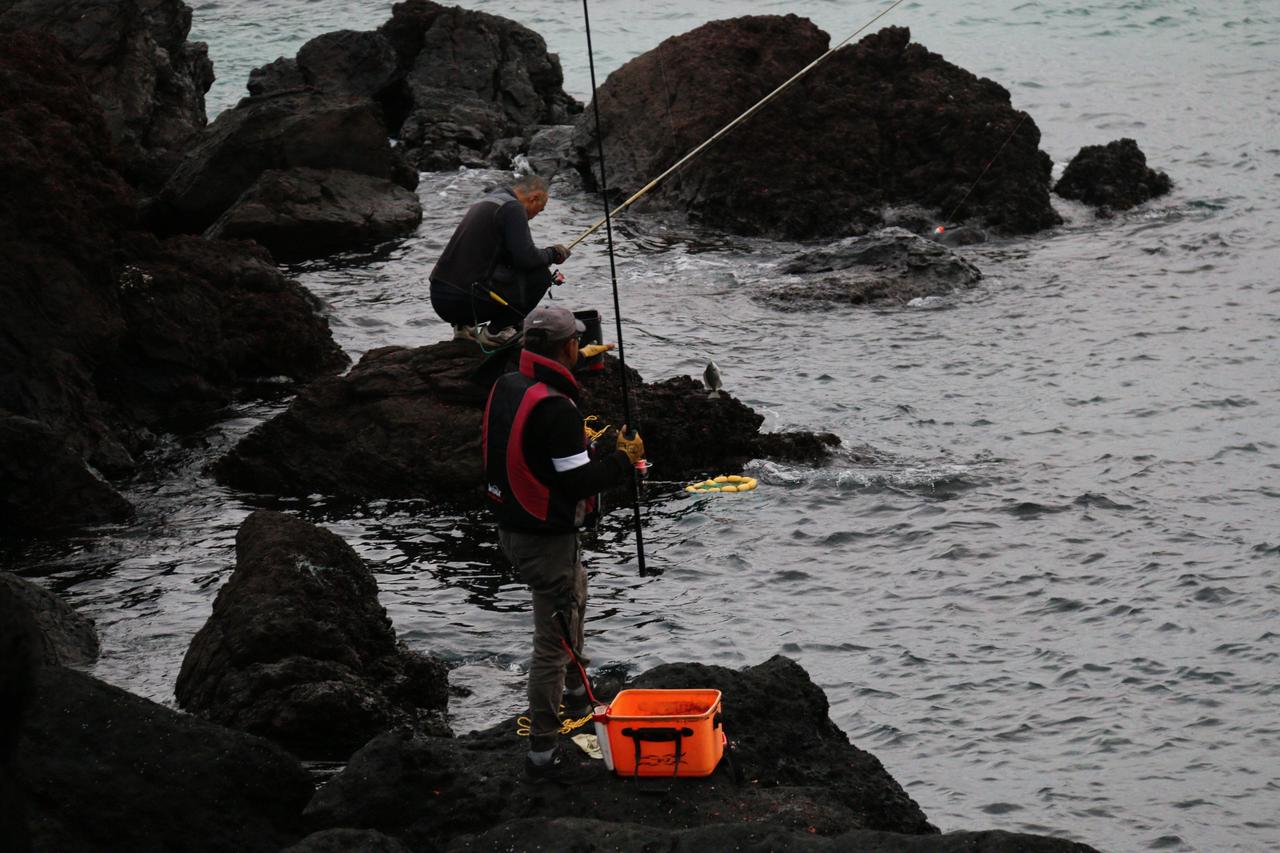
1050	603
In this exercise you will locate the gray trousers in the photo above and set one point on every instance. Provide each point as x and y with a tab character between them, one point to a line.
552	567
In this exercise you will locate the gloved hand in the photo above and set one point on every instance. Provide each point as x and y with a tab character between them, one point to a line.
630	443
561	252
593	350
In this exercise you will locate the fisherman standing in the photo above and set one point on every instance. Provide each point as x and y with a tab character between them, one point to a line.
492	250
541	483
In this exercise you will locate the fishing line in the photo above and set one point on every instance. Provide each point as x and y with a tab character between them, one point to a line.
613	277
716	136
974	186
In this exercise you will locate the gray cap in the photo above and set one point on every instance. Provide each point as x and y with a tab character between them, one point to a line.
556	324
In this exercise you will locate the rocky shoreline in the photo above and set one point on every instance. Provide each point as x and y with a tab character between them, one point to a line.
144	298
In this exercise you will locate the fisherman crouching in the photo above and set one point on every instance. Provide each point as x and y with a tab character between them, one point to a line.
492	252
541	484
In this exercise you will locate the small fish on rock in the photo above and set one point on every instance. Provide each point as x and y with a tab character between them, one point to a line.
711	376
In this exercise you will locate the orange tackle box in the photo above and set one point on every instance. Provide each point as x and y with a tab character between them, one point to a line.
665	732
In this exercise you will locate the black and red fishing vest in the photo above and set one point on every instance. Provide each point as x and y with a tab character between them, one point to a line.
519	484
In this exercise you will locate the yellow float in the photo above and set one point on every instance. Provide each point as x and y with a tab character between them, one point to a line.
723	483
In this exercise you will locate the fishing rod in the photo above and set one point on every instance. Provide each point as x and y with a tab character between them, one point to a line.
617	306
705	145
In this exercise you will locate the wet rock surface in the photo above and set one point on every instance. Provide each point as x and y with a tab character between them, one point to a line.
66	636
145	76
101	769
881	122
308	213
1113	176
347	841
891	265
20	649
299	650
106	332
406	423
802	783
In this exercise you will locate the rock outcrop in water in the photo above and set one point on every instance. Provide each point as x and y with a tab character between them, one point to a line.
307	172
803	787
883	122
299	650
146	77
107	333
406	423
891	265
457	87
1114	176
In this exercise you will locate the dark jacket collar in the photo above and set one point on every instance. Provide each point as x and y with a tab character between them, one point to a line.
542	369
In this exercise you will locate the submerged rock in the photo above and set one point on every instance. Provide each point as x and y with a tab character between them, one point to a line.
299	650
1115	176
882	122
801	782
67	637
143	73
891	265
308	213
101	769
406	423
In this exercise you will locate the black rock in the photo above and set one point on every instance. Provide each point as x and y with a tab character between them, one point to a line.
46	487
67	637
299	650
418	413
880	123
309	213
102	769
144	74
803	787
277	131
347	841
1114	175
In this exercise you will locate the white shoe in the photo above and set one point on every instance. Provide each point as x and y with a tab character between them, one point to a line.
496	339
464	333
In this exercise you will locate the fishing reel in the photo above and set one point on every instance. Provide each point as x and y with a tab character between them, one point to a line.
557	277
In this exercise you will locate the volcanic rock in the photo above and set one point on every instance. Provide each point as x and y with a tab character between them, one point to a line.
471	79
588	835
406	423
143	73
19	659
882	122
279	131
107	333
801	780
299	650
67	637
45	486
101	769
308	213
206	319
348	840
890	265
1115	176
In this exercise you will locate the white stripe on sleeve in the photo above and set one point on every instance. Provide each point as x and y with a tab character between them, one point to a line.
568	463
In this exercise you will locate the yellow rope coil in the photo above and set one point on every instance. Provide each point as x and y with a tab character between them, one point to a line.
723	483
524	725
592	433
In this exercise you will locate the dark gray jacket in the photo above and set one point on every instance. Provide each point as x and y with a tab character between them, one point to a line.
491	243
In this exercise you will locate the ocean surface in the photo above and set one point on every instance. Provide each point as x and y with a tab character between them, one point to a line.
1050	605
